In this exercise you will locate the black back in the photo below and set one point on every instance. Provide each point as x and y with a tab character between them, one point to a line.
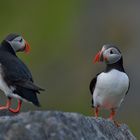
16	74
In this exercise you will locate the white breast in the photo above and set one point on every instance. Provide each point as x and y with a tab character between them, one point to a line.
110	89
5	88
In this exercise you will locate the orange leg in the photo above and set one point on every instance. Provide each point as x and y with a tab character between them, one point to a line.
112	114
18	107
96	111
8	103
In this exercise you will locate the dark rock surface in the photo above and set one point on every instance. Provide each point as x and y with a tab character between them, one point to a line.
53	125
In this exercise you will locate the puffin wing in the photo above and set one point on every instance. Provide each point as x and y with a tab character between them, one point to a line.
29	85
16	73
93	83
92	87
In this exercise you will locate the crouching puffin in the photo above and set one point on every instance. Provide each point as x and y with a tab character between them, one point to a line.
15	78
109	87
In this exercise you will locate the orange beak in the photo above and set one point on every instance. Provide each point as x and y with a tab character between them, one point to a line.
27	47
97	57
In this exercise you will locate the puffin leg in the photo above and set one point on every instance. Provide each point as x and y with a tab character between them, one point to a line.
112	114
96	111
18	107
8	103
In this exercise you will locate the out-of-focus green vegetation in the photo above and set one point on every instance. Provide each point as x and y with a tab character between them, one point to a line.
64	36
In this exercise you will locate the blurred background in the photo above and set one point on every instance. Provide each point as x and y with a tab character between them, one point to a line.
64	36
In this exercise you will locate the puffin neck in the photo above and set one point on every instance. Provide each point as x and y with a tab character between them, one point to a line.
7	47
118	66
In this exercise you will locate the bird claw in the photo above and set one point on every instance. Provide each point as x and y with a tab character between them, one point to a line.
8	103
14	110
7	106
115	122
17	109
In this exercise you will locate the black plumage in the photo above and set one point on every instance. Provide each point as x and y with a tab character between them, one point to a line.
118	66
92	84
16	74
92	87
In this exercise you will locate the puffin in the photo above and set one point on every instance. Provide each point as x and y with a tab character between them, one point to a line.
109	87
16	80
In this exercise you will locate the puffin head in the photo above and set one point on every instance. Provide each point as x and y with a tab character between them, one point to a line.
17	43
109	54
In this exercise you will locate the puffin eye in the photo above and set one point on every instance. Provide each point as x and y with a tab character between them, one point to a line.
20	40
111	52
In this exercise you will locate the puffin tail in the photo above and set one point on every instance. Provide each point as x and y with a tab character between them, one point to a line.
28	95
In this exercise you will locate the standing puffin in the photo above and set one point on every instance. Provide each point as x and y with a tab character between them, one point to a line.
15	78
109	87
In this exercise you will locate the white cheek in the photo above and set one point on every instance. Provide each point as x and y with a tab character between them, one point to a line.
114	58
22	44
16	45
106	54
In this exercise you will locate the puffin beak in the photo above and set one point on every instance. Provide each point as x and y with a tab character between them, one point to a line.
27	47
97	57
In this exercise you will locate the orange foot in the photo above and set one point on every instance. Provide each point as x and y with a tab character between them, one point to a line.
8	104
116	123
112	114
96	112
17	109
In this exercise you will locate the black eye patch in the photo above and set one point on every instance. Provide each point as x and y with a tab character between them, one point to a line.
20	40
111	52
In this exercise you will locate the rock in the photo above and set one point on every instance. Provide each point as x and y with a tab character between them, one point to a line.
6	113
53	125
